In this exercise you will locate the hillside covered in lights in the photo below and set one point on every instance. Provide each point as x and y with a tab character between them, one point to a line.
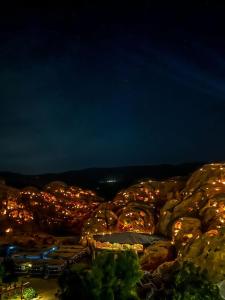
186	215
149	206
57	207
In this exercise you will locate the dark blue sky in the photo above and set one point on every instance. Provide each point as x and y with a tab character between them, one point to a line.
113	85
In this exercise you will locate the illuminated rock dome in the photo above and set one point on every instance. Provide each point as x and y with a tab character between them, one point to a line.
137	207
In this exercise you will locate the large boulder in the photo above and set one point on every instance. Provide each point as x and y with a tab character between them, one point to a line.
208	174
164	223
208	253
190	206
185	230
164	270
136	219
213	213
156	254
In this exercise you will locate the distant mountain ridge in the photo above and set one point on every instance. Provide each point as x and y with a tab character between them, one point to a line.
106	181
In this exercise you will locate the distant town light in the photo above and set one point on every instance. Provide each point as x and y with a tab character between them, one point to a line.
108	180
111	180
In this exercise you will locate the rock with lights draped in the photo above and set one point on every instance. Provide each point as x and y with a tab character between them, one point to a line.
196	222
203	197
135	209
73	205
187	214
103	220
157	254
13	211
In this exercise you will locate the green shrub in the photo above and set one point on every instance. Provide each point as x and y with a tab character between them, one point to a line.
29	293
187	282
112	277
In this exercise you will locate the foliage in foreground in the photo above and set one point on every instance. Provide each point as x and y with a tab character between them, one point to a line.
112	276
207	252
29	293
187	282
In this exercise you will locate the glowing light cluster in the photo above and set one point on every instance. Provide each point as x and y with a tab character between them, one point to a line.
57	205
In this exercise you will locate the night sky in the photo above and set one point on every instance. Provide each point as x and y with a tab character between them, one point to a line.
96	85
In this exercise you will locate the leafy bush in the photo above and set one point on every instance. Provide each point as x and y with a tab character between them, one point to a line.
187	282
73	283
29	293
112	277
